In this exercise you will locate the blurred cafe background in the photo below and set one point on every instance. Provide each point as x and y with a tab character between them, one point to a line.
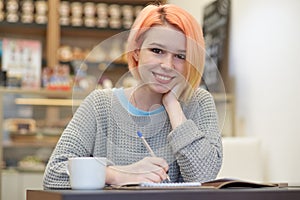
50	59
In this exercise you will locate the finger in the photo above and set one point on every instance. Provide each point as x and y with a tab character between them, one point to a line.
156	169
158	166
148	176
161	173
159	162
153	177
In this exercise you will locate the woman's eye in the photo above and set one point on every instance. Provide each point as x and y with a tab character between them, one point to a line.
181	56
156	50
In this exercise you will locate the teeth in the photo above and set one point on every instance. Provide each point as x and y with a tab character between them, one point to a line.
163	77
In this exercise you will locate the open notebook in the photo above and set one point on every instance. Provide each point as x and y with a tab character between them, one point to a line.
215	184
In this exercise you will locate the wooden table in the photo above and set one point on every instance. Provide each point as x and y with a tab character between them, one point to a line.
187	194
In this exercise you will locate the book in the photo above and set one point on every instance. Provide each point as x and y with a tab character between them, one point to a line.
221	183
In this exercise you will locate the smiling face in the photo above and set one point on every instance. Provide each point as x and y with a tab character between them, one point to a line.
161	58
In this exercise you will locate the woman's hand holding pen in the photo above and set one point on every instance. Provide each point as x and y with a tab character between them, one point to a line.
149	169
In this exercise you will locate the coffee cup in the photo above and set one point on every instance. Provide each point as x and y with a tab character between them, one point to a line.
87	173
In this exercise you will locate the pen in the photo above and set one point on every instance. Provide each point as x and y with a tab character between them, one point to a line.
148	147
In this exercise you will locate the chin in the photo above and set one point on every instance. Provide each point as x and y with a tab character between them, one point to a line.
161	89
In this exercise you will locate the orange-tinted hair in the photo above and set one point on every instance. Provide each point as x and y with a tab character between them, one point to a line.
153	15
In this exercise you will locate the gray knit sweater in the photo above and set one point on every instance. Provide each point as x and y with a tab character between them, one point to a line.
102	127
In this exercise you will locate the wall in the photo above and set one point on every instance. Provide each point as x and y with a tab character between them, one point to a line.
265	63
265	46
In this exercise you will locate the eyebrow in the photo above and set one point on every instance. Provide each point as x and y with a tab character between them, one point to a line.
164	47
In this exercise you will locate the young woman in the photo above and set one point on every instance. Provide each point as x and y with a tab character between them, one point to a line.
176	117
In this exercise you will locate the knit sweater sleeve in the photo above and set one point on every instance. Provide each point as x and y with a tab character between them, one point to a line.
77	140
197	142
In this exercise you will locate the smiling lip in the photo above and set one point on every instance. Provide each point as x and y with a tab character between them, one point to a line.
162	78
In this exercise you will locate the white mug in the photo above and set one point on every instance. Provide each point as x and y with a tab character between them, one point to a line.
87	172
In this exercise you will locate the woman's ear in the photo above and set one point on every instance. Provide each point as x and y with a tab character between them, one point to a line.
136	54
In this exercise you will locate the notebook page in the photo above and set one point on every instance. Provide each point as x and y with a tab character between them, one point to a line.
183	184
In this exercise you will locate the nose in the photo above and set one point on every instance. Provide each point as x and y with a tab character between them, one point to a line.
167	61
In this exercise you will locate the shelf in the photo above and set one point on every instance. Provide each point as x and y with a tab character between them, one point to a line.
47	102
131	2
8	29
72	31
44	92
35	144
107	65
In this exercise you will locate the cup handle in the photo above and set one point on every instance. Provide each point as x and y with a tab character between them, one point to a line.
67	168
109	162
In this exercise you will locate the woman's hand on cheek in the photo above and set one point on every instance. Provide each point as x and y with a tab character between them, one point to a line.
173	107
173	95
149	169
169	98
